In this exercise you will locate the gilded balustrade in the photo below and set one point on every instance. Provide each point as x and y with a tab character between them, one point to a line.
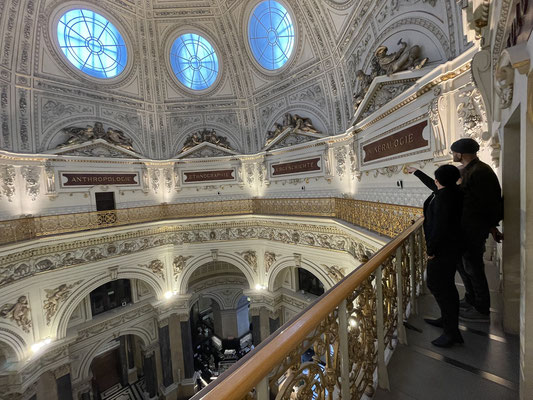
348	329
385	219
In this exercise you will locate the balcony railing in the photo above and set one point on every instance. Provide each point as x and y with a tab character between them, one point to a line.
350	329
386	219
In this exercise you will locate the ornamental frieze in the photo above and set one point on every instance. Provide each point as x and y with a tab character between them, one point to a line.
40	259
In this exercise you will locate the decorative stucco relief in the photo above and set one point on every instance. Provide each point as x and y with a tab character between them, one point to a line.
31	175
54	298
18	312
7	181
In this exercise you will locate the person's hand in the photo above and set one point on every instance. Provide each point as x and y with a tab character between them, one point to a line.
411	170
496	234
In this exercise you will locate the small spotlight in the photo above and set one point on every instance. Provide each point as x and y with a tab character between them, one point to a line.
168	295
260	287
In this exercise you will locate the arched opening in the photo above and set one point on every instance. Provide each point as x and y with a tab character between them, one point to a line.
117	369
109	296
7	356
308	283
219	318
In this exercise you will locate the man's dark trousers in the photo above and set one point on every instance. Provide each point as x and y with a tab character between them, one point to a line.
472	271
441	283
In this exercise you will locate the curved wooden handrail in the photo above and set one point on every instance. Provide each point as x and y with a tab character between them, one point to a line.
237	381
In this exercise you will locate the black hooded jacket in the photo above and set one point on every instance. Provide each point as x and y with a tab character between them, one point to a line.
442	218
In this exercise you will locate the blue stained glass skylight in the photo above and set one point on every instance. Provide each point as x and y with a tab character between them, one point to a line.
194	61
271	34
92	43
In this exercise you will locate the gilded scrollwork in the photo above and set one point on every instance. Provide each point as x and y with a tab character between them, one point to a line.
361	309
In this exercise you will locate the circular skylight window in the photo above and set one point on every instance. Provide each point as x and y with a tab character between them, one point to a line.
271	34
91	43
194	61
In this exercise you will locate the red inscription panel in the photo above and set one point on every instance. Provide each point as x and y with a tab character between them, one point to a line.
296	167
75	179
201	176
400	142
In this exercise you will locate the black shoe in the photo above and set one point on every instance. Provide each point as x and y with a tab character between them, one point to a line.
446	341
434	321
464	305
473	315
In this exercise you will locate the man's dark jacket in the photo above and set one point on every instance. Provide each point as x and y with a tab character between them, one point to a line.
483	205
442	218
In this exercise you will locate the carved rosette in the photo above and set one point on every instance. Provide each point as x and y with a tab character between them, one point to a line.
7	181
31	175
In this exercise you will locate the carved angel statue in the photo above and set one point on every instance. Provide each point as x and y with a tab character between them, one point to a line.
304	124
54	297
271	135
18	312
117	137
79	135
401	60
364	84
206	135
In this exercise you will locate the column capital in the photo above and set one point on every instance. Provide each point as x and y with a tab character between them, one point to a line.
61	371
149	349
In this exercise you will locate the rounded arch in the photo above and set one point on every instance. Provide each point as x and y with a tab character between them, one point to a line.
85	364
287	262
65	312
206	258
12	344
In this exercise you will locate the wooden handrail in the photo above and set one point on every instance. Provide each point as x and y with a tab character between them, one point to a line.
237	381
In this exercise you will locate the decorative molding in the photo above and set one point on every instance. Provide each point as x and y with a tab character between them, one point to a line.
178	265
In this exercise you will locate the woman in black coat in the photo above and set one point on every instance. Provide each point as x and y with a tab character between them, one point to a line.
442	227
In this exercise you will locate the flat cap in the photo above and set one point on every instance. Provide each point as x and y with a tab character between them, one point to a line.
465	145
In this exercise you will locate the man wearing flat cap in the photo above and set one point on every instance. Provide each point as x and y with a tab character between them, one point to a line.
482	212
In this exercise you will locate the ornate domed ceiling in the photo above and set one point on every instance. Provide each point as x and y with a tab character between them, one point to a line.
42	92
